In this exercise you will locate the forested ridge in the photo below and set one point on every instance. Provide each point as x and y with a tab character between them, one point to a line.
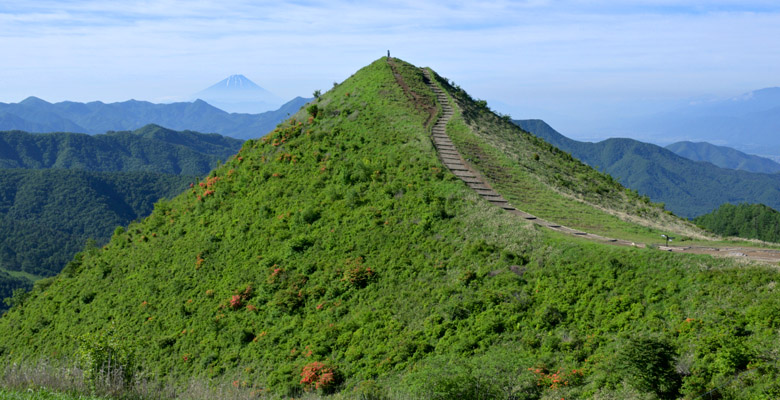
62	189
151	148
49	214
751	221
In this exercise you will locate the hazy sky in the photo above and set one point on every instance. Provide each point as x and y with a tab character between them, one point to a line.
573	63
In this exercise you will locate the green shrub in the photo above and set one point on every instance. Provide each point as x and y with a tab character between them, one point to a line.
647	364
104	357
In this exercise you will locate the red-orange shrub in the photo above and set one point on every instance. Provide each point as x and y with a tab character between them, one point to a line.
318	375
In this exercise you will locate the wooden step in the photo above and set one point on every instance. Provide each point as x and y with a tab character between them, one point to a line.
457	167
462	173
471	180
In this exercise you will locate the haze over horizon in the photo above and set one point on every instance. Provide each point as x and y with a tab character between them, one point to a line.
575	64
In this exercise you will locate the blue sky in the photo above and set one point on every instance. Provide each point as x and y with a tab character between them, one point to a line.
573	63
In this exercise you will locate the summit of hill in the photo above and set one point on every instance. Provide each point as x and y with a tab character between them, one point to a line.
339	254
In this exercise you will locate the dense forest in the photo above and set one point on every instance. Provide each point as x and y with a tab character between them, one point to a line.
8	284
62	189
49	214
751	221
151	148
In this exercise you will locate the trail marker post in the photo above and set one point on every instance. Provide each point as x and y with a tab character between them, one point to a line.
668	239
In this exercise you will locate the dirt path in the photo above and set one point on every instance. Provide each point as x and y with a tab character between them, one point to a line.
453	160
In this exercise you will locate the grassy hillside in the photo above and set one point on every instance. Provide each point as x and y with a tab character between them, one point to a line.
752	221
547	182
151	148
338	254
686	187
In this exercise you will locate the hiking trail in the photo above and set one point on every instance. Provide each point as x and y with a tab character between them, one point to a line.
453	160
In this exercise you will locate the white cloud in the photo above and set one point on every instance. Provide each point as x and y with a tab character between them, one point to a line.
564	56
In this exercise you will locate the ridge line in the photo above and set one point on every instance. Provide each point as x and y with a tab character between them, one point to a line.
469	175
477	182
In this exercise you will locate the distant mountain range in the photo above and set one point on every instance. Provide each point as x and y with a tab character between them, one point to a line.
724	157
688	188
36	115
750	122
238	94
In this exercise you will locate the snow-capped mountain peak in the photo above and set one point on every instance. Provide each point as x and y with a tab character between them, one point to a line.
237	93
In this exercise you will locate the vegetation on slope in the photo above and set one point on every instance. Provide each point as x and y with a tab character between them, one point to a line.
538	178
339	254
48	215
151	148
688	188
751	221
10	283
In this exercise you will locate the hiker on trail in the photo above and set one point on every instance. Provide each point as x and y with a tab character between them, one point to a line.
388	54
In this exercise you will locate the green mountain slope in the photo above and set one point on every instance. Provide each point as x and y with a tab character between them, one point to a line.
752	221
48	215
688	188
341	239
724	157
151	148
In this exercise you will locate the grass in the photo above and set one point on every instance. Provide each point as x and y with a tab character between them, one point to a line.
42	394
550	184
341	239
